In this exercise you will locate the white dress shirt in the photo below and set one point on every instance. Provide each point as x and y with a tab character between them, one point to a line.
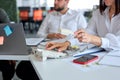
54	21
108	30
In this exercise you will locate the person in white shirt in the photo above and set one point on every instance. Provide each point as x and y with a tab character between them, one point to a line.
61	18
103	29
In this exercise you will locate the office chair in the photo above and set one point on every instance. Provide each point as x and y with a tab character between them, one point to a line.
24	17
37	18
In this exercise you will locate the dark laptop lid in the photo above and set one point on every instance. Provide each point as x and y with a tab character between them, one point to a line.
14	40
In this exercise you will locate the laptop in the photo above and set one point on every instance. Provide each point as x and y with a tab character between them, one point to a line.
14	39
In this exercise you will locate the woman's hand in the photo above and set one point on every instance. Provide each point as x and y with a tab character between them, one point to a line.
88	38
60	46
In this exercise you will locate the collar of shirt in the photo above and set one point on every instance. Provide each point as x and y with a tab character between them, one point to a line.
68	12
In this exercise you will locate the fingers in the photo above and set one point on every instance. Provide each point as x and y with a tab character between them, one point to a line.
52	45
59	36
60	46
79	33
49	44
82	36
56	35
62	49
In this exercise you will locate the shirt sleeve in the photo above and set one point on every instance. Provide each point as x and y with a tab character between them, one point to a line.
111	42
82	23
42	32
91	27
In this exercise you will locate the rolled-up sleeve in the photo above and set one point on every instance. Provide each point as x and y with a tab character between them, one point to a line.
111	42
42	32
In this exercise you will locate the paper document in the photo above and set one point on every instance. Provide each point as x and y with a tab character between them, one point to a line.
112	58
109	60
114	53
33	41
66	31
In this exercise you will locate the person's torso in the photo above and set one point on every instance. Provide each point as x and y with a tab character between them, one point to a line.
67	21
104	25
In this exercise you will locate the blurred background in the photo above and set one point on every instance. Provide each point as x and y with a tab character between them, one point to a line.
32	12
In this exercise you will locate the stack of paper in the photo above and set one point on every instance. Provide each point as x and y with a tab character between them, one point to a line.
112	58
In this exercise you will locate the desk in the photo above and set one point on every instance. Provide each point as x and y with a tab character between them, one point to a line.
57	69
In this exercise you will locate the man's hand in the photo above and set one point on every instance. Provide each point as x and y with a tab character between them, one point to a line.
56	35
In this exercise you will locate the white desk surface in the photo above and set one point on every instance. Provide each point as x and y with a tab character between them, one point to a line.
57	69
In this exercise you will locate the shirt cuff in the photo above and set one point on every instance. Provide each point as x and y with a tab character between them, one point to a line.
105	43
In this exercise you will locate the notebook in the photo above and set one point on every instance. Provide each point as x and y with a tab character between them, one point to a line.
14	40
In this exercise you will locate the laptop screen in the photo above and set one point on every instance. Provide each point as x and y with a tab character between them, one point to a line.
13	42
